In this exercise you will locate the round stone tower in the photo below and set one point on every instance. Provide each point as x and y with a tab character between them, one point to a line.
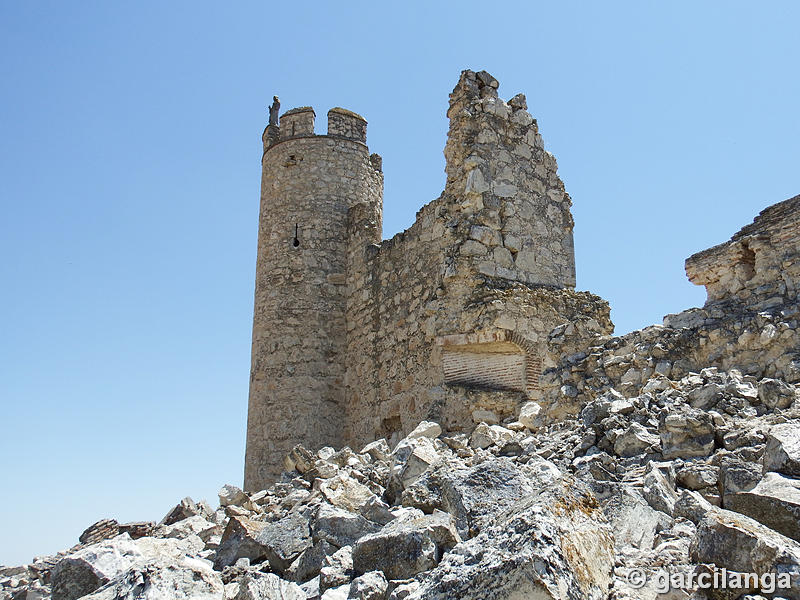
309	183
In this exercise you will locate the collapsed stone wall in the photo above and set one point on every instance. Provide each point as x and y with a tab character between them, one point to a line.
749	323
492	255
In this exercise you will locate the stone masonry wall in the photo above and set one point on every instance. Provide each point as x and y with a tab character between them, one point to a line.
494	253
750	323
299	331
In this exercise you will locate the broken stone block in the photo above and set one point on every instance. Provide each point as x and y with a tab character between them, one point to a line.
345	492
774	393
284	540
636	439
695	476
488	435
337	569
406	546
369	586
739	543
90	568
239	541
230	495
782	453
340	527
686	433
307	565
775	502
267	586
529	414
659	493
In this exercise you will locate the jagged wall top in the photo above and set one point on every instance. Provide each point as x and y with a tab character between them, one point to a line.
762	257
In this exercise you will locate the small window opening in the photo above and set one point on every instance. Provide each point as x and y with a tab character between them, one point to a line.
295	241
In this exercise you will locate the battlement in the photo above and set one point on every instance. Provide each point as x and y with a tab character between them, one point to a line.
299	122
347	124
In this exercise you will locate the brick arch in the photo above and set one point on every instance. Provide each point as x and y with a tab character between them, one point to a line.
499	360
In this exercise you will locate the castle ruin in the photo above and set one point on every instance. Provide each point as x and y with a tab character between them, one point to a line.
357	338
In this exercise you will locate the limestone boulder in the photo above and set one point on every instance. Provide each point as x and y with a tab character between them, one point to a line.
90	568
411	458
552	545
775	393
775	502
369	586
239	540
230	495
635	440
659	493
267	586
686	433
337	569
340	527
739	543
634	522
181	578
406	546
529	414
475	495
782	453
284	540
486	435
344	491
183	510
696	476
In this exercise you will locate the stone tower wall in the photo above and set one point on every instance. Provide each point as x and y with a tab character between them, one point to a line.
299	331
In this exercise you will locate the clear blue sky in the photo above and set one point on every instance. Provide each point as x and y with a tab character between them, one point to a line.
130	142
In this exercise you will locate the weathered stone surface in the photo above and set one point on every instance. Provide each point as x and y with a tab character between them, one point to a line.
554	545
86	570
164	577
266	586
632	520
739	543
284	540
369	586
406	546
486	435
340	527
659	493
337	569
239	540
686	434
775	502
345	492
308	564
636	440
782	453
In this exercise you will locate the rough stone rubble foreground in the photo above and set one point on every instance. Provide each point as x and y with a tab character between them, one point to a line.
675	448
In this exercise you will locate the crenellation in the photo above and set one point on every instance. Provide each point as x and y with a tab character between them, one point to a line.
297	122
347	124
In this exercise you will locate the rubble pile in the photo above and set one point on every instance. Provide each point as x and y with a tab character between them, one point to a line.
700	470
